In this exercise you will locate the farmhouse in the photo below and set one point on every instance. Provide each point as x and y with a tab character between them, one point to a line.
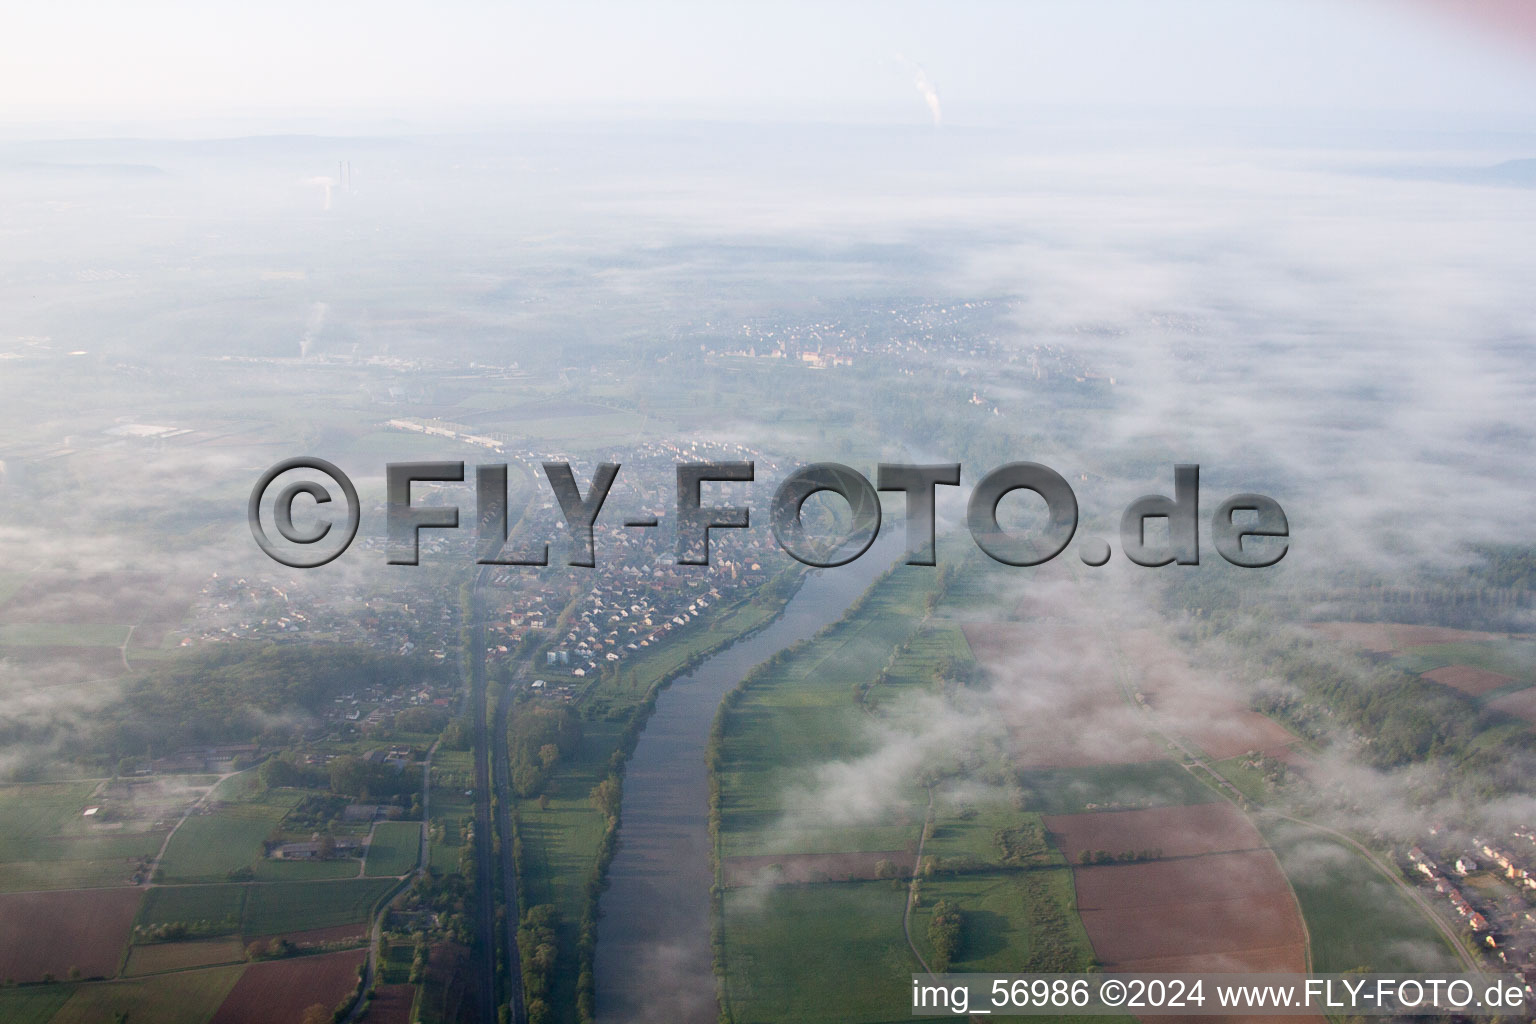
312	850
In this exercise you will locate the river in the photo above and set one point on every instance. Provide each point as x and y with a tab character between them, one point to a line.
653	963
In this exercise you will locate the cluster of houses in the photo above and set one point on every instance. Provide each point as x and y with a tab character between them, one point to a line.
1505	922
239	608
949	338
374	706
910	328
639	595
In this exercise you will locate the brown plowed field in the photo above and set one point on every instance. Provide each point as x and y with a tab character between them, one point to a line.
1472	681
1217	827
1204	709
50	932
1393	637
1521	704
391	1004
281	990
1210	908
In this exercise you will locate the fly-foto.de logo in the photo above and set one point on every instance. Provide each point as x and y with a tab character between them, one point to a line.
1248	530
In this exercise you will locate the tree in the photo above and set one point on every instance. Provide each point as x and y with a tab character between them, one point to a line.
606	796
278	772
945	934
316	1014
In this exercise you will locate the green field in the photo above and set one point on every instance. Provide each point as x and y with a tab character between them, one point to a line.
1514	658
23	876
802	713
836	951
1249	781
48	634
41	810
1355	916
186	997
46	844
1075	790
268	870
395	849
301	906
818	954
222	906
208	847
34	1004
1021	920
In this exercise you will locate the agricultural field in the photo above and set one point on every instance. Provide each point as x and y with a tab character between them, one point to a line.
1196	706
281	990
395	848
450	811
81	932
160	957
1111	787
1014	921
185	997
270	870
208	846
48	842
1394	638
802	712
1071	712
217	908
48	634
1474	682
1349	907
280	907
841	884
391	1004
770	977
1521	705
446	991
1219	911
1167	832
35	1004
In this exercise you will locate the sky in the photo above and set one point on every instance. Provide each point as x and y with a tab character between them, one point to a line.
103	61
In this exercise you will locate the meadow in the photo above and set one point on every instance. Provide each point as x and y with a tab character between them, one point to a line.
279	907
395	849
185	997
208	846
1349	907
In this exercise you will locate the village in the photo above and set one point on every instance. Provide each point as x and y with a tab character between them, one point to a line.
1488	886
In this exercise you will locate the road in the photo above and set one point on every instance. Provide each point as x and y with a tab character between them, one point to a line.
371	965
917	867
154	867
501	764
485	891
486	861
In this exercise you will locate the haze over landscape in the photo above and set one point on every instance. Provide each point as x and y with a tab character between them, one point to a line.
1289	243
